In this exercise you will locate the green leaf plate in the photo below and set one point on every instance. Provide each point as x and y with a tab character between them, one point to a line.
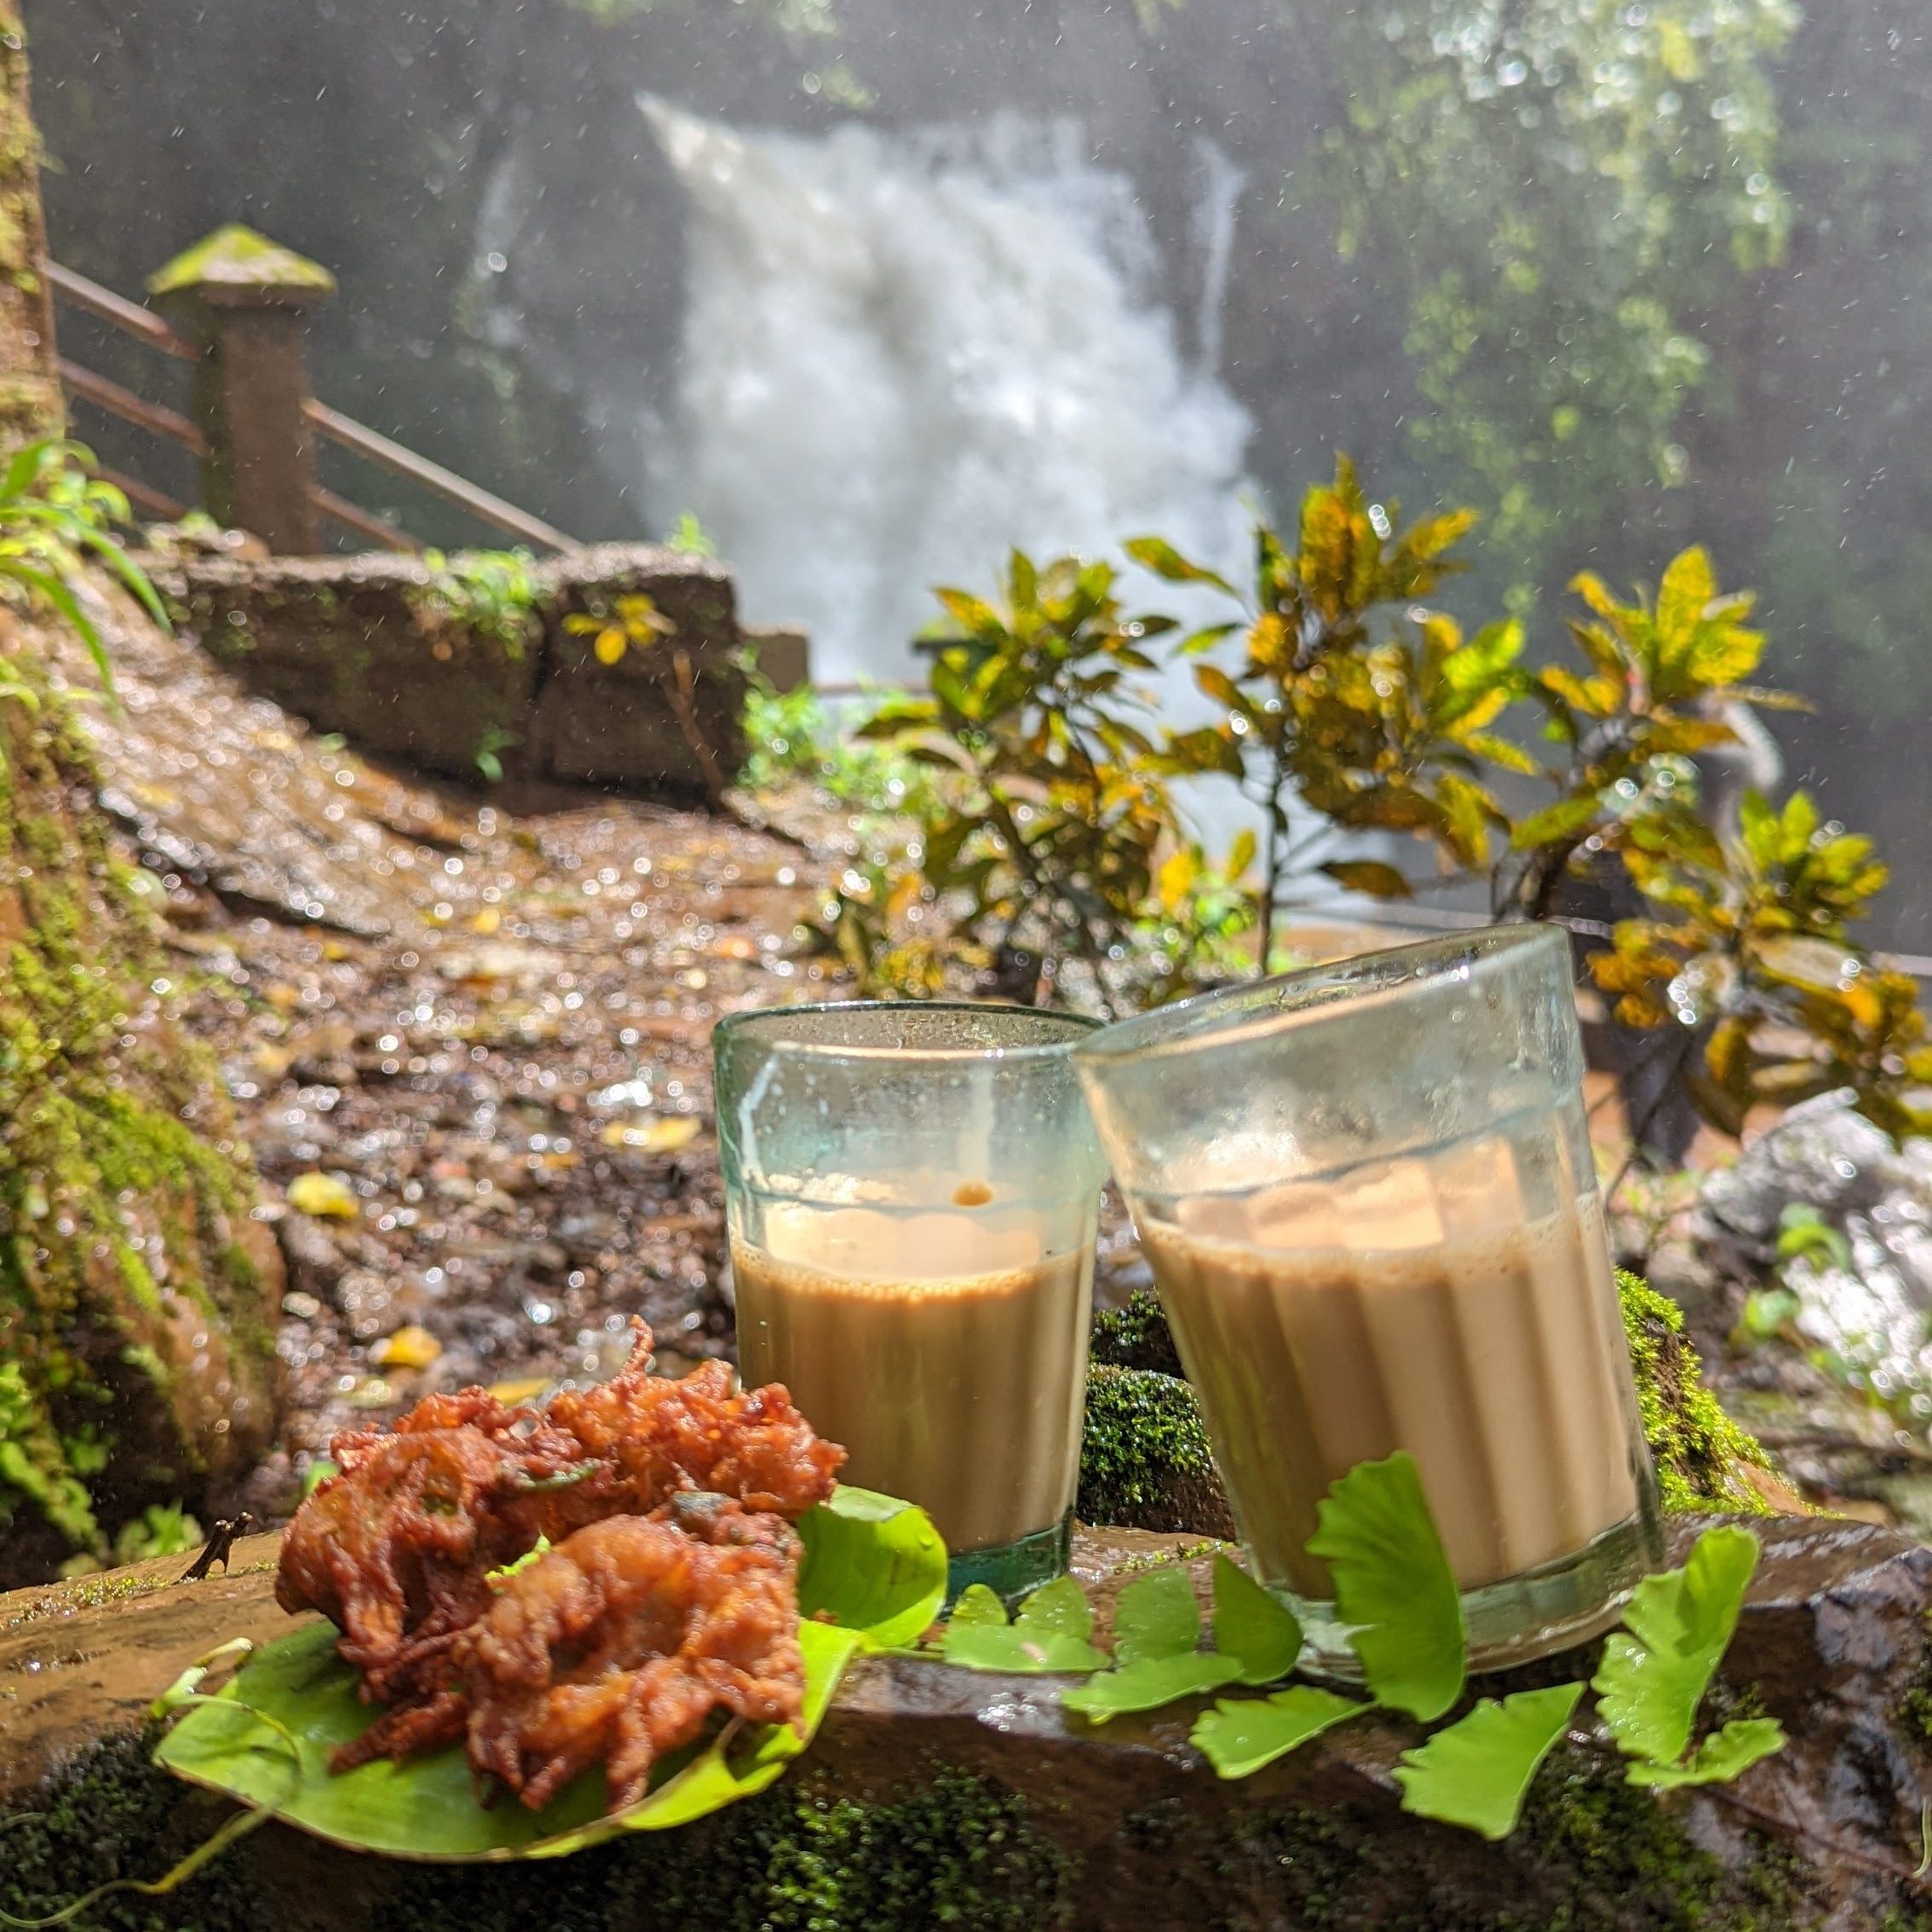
427	1809
874	1564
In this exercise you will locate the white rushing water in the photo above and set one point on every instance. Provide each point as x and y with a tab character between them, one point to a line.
903	354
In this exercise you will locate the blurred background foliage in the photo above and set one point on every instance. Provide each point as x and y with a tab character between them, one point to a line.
1617	275
1034	843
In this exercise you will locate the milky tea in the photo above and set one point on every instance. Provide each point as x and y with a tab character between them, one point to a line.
911	1192
947	1351
1367	1195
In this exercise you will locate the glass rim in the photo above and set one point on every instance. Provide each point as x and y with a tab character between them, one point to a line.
780	1023
1258	1010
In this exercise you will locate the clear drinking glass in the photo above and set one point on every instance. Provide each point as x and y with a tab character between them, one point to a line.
1367	1195
912	1191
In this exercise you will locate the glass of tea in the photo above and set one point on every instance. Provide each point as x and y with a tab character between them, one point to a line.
912	1191
1367	1195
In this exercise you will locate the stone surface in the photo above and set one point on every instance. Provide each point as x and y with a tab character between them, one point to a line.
369	646
1869	1304
1140	1832
355	645
222	791
616	724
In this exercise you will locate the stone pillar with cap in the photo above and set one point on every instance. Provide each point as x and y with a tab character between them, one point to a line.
242	300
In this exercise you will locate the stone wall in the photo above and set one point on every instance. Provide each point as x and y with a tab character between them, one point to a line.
439	664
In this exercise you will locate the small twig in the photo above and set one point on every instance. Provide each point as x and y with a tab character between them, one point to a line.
219	1546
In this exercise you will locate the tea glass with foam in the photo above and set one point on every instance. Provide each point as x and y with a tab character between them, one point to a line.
912	1191
1367	1195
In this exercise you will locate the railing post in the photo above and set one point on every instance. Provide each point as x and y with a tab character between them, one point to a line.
242	299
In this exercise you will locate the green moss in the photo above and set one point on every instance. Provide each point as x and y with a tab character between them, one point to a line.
1592	1855
112	1815
1698	1450
1144	1456
235	256
958	1851
1136	1335
110	1204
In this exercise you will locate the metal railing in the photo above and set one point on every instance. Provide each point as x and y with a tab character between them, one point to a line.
144	326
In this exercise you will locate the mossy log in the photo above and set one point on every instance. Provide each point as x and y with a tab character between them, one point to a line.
137	1298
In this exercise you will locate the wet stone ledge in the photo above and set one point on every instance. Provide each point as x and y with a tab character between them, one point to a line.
936	1796
441	667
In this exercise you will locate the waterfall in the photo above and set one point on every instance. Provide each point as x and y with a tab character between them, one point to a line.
904	354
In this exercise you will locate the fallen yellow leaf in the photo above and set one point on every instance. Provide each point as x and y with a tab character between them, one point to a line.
665	1134
526	1390
409	1347
324	1197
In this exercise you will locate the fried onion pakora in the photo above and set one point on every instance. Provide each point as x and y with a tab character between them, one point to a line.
652	1436
615	1648
395	1548
401	1550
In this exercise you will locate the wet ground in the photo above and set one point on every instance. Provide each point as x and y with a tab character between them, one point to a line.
468	1046
466	1036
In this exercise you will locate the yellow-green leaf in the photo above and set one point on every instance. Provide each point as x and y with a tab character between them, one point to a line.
324	1197
1476	1773
1393	1584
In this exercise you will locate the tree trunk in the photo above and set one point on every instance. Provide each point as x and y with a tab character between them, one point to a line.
30	380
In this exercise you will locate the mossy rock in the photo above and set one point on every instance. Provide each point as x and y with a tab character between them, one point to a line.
1704	1460
1145	1460
955	1849
1135	1335
940	1797
137	1298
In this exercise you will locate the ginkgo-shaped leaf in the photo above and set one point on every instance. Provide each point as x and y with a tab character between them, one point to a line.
1156	1617
1252	1626
1475	1772
1393	1585
1157	1625
1722	1756
1240	1735
1050	1633
1656	1669
1148	1684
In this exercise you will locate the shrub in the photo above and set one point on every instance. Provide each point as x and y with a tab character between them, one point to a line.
1349	706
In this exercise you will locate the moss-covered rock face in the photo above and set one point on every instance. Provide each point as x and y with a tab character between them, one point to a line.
1135	1335
956	1851
1704	1459
137	1359
1145	1460
1592	1855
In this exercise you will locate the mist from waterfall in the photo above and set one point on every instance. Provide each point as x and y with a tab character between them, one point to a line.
904	354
